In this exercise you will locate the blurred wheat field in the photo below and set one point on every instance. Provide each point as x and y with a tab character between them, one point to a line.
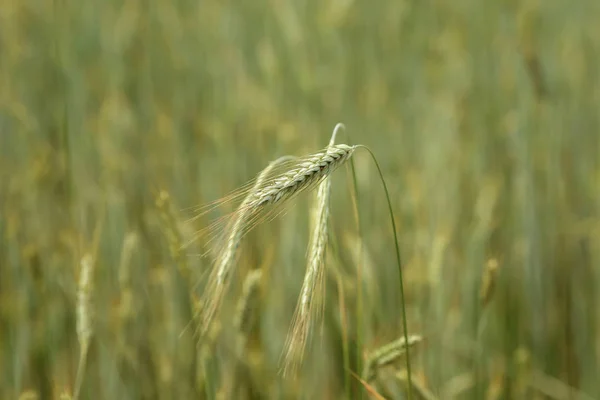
116	117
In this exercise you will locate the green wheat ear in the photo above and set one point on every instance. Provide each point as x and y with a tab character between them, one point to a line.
309	310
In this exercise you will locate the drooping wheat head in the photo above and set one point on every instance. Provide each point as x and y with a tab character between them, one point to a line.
234	233
309	309
264	201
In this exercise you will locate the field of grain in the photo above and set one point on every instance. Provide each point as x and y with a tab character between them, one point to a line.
118	118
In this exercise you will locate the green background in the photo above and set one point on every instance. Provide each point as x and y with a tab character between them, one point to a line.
484	116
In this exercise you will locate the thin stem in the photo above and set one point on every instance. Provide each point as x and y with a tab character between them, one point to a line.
81	368
399	261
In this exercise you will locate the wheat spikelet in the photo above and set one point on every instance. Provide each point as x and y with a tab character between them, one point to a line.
169	219
246	314
311	170
85	327
246	308
218	281
126	309
310	305
387	354
488	282
262	203
84	299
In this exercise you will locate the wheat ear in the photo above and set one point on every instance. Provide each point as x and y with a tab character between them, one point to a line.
488	282
85	327
245	318
218	281
387	354
265	196
309	309
247	309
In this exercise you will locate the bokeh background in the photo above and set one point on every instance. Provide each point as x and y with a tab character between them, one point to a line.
116	117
